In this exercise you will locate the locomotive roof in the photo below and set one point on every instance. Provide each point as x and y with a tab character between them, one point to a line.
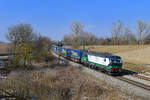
108	55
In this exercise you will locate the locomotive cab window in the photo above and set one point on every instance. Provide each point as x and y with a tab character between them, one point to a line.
84	54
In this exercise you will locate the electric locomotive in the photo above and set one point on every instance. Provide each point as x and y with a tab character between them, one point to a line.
102	61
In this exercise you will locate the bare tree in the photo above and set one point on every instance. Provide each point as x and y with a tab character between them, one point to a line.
83	37
87	38
141	30
147	39
21	36
116	30
129	37
127	34
68	39
76	28
20	33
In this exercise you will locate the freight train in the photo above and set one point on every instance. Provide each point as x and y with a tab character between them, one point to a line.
101	61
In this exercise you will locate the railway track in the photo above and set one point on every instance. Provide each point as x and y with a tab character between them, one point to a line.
138	84
141	85
141	76
121	78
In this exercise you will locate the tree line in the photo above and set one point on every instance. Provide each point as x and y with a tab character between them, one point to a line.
119	35
27	46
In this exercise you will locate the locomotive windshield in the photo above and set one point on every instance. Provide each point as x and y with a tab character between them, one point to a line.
116	61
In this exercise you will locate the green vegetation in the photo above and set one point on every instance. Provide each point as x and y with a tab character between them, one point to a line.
27	46
41	49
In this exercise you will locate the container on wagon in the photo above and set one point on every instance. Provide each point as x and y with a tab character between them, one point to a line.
63	51
75	54
55	48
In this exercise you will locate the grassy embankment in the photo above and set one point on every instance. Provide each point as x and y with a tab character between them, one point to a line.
135	57
59	83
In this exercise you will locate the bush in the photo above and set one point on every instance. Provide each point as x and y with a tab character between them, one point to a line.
66	83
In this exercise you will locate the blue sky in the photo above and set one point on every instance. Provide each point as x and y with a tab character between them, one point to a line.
52	18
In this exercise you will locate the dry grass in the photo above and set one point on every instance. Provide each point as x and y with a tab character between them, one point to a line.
138	56
115	48
4	48
136	67
60	83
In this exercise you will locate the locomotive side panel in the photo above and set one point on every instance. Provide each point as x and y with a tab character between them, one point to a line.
99	61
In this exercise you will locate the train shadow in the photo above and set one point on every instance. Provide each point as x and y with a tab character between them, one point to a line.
125	72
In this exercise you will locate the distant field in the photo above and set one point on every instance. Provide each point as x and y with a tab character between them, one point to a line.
4	48
139	54
116	49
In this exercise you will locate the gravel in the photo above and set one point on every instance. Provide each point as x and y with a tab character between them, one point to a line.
137	79
148	76
116	83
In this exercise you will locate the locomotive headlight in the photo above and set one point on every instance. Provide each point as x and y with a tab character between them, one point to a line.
120	61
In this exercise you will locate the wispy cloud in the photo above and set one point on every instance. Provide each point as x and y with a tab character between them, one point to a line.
90	26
